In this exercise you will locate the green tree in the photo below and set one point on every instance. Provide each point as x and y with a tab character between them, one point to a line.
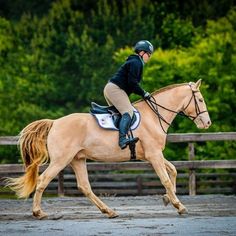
55	59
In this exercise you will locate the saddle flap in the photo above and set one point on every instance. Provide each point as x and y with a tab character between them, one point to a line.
111	122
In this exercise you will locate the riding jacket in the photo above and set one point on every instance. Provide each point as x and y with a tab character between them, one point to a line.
129	75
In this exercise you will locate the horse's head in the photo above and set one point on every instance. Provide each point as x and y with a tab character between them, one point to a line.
195	107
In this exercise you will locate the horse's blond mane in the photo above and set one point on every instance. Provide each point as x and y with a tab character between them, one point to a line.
161	90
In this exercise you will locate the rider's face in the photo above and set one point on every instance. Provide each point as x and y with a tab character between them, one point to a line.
146	56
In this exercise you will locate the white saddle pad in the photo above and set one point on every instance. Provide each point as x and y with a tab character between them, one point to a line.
105	120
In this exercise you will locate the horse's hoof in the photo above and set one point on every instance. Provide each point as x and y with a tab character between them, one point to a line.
166	200
40	215
183	210
113	215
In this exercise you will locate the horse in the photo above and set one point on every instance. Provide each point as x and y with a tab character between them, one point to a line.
72	139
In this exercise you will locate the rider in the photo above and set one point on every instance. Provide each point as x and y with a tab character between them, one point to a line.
124	82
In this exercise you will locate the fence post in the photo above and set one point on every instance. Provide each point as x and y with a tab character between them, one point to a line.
139	184
60	189
192	173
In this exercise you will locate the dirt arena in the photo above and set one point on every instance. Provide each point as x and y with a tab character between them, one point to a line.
208	215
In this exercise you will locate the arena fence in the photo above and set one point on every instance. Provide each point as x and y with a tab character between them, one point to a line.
138	178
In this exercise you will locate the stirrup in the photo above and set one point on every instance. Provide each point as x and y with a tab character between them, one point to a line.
134	140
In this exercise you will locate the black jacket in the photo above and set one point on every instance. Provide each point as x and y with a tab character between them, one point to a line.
129	75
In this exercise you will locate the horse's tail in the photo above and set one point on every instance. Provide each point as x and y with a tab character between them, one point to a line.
33	148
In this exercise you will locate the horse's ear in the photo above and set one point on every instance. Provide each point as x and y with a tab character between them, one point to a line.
198	84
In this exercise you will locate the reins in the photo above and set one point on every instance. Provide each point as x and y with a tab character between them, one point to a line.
151	102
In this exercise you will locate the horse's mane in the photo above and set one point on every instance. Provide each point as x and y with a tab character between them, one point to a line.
161	90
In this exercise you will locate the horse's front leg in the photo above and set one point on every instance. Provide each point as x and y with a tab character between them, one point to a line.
80	169
156	158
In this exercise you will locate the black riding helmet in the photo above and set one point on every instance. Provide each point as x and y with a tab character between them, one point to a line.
143	45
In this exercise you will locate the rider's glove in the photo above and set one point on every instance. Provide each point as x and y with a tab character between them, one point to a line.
147	95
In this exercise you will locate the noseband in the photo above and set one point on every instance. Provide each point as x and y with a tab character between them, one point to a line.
155	108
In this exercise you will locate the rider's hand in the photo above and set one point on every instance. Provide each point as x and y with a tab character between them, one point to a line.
147	95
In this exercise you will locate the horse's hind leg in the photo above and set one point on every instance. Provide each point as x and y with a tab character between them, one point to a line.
80	169
171	170
44	179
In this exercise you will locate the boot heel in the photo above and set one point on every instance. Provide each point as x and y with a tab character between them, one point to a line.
134	140
124	144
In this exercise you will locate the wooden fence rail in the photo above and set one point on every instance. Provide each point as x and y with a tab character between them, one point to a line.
172	138
112	178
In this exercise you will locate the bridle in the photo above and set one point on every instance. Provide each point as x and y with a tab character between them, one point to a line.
151	102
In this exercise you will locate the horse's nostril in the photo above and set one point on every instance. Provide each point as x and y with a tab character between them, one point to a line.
209	122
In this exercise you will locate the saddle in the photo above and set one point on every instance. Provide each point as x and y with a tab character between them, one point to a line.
108	117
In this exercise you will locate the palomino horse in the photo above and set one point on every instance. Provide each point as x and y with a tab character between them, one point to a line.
72	139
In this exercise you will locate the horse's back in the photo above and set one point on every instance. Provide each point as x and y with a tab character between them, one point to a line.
76	127
73	117
72	123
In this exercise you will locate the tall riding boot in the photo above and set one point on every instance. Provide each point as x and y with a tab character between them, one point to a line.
124	126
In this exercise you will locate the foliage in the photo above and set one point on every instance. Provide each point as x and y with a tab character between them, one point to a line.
56	58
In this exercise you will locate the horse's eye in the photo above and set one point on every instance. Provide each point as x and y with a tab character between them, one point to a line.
200	100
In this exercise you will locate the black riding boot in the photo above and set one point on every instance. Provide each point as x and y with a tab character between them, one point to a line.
124	126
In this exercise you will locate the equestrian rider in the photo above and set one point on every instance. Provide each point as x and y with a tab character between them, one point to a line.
124	82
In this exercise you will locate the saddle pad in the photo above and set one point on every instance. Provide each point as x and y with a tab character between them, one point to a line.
105	121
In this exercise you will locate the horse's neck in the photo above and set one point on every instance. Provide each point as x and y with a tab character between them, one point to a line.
172	99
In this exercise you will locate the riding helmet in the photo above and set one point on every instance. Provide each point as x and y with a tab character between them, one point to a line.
143	45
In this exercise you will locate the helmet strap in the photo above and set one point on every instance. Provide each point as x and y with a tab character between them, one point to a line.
141	57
